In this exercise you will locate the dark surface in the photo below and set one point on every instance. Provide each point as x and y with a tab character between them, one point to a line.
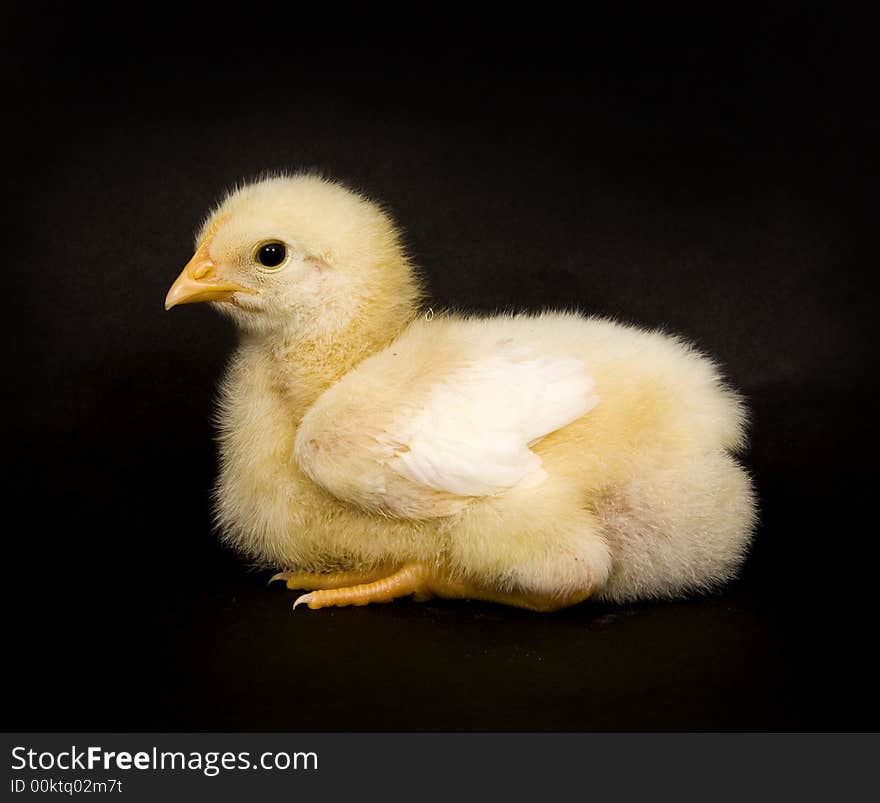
716	178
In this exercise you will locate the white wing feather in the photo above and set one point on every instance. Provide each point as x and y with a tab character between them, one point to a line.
472	437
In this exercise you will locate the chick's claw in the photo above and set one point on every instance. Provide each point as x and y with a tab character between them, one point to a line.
305	599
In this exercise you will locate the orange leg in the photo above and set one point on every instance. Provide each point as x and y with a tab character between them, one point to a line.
413	578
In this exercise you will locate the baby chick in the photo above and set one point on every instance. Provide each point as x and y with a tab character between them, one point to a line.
374	452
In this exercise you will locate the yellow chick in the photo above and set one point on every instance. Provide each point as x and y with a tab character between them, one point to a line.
373	451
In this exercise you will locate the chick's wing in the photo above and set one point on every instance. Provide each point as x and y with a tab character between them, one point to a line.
420	442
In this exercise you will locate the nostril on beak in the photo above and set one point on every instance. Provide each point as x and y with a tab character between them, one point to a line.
203	271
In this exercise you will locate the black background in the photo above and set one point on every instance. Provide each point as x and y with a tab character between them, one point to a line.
713	175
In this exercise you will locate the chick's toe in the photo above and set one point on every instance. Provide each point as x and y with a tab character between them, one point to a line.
410	579
313	581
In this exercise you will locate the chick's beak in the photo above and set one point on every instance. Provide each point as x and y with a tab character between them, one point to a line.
198	281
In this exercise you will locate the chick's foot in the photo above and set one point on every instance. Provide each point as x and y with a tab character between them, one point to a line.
337	590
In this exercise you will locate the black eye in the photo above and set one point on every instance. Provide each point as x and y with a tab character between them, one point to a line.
271	255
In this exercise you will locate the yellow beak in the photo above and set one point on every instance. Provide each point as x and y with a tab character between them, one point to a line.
198	281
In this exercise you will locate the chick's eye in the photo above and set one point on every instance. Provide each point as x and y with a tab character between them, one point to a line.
271	255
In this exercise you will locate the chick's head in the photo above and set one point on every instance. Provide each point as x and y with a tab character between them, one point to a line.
298	255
